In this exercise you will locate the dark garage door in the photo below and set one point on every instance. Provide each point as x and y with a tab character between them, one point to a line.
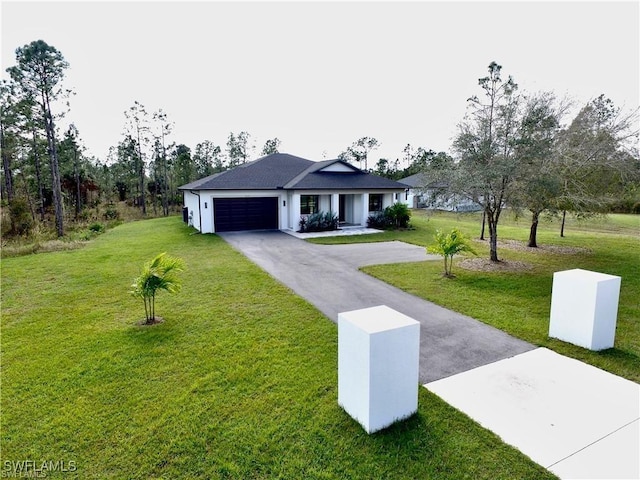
233	214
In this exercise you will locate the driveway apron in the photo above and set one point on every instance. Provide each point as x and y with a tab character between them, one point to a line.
328	277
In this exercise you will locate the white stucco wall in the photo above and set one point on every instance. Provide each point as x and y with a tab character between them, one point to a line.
191	202
408	198
325	203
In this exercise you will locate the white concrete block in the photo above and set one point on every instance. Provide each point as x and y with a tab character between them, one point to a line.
378	362
584	308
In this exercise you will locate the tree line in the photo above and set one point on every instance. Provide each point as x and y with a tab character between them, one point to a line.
46	173
413	161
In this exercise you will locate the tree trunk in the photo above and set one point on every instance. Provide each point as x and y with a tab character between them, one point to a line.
170	193
143	205
155	195
533	232
564	216
55	170
165	192
6	165
76	175
36	164
493	236
141	174
165	183
484	220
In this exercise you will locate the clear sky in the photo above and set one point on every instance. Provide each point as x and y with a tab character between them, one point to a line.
320	75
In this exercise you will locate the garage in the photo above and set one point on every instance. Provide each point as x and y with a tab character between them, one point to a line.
253	213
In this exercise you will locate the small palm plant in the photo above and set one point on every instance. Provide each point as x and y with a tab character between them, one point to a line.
158	274
448	245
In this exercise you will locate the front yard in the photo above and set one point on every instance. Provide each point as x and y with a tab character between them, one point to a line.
240	381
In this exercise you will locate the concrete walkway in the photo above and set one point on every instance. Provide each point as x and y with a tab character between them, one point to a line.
328	277
334	233
574	419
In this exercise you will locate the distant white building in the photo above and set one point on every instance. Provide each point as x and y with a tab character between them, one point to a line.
422	194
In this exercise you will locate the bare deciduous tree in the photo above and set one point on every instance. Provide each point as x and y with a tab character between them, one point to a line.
487	167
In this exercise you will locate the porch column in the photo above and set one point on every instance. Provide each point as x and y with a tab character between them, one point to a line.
295	212
388	199
335	203
365	209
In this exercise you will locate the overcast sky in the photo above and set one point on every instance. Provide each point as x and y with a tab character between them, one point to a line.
320	75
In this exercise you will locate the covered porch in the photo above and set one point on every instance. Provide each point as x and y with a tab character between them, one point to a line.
352	208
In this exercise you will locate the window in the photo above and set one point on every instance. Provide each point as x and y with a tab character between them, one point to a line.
375	202
308	204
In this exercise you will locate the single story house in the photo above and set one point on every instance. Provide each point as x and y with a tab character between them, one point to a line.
275	191
424	194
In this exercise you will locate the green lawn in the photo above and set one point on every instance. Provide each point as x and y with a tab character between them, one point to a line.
240	380
519	303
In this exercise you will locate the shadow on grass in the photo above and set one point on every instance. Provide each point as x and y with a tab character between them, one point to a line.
405	430
614	353
410	438
622	355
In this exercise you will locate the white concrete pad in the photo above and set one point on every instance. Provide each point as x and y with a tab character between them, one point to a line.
551	408
334	233
620	449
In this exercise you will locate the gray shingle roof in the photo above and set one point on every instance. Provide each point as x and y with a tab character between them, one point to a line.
420	180
415	180
281	170
266	173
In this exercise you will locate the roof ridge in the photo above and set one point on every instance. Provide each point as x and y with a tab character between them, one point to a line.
311	168
319	165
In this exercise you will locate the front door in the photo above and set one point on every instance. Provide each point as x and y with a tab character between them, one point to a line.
342	208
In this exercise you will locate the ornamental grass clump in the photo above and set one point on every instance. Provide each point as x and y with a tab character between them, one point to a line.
319	222
158	274
448	245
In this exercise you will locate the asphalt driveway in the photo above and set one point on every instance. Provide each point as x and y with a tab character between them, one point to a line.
328	277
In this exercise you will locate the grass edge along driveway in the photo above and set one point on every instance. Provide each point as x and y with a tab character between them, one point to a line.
240	381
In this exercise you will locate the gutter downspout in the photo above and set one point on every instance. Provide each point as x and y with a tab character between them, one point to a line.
199	209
